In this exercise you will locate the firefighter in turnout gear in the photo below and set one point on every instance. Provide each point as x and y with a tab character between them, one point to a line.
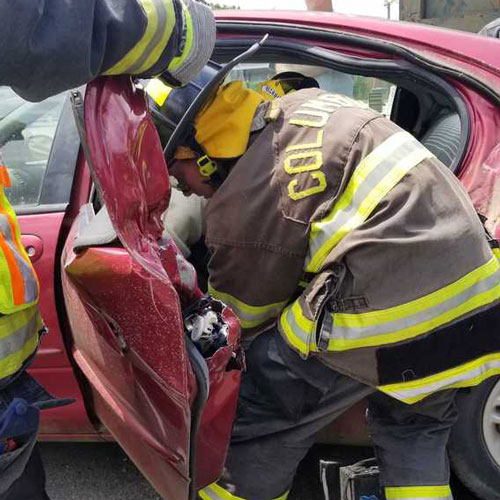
357	266
63	45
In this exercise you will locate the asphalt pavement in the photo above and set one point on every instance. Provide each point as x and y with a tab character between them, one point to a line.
101	471
92	471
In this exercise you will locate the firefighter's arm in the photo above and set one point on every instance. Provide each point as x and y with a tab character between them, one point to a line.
47	46
255	283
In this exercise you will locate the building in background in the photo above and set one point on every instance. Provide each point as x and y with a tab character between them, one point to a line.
465	15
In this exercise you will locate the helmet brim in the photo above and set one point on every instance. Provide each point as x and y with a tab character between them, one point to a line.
186	123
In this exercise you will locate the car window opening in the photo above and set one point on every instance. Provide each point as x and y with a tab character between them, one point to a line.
418	101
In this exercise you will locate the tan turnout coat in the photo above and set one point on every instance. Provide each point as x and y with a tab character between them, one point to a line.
363	249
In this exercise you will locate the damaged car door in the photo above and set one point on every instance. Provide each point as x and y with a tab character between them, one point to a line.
163	363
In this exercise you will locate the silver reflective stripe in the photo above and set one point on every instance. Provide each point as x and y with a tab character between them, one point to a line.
30	285
337	100
321	106
249	320
459	377
328	103
348	333
17	339
161	12
249	316
208	493
298	332
302	337
372	179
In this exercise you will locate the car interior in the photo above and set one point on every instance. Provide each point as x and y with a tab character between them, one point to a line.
419	102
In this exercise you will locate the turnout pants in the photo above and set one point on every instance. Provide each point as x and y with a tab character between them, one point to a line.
285	400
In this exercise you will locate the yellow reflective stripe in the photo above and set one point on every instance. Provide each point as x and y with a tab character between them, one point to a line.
418	492
158	91
249	316
6	296
299	330
466	375
7	207
11	364
136	52
15	321
484	290
216	492
359	176
159	47
177	61
496	252
417	305
202	494
160	19
16	268
14	324
371	181
407	333
291	336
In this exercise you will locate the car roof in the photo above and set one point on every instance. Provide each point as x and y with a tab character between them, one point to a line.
463	46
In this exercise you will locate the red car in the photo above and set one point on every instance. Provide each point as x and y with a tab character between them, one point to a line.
116	307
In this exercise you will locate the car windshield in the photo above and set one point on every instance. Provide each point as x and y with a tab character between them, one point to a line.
26	135
9	101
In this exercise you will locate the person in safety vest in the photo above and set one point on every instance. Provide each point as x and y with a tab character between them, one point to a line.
47	47
357	266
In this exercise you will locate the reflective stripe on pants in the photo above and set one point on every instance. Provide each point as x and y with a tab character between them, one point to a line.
216	492
410	445
419	493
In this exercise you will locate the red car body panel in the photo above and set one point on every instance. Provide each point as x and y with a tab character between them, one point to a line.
125	306
51	366
481	175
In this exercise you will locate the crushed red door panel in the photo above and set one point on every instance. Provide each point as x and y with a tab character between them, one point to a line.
125	302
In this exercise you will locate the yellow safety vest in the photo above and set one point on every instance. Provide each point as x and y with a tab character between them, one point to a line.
19	290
